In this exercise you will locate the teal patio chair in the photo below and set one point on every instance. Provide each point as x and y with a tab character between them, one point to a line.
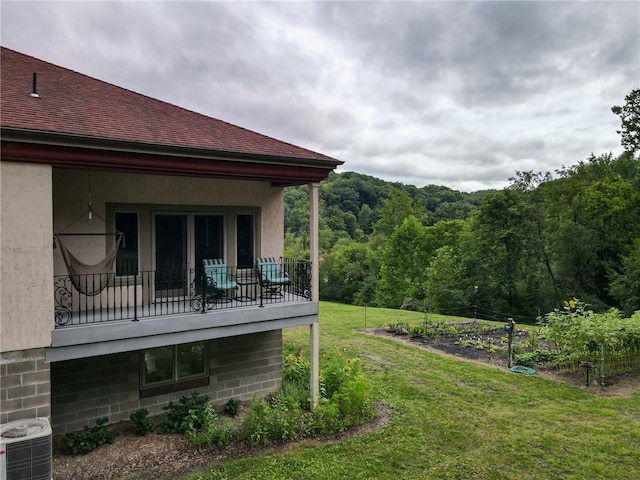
270	276
219	281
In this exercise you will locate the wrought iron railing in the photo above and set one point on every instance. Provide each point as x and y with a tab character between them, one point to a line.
171	292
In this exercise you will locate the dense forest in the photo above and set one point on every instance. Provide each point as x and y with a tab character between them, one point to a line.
519	252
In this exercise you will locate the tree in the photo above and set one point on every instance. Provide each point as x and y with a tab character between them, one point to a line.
630	117
501	254
592	217
626	286
445	277
403	269
395	209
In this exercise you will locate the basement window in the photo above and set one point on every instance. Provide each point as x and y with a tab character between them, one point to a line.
174	368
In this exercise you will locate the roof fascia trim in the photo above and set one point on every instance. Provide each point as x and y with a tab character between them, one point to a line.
77	141
67	157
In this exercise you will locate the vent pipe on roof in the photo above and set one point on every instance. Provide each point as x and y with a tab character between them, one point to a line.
34	90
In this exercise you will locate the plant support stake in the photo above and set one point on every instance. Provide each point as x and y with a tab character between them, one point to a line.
602	367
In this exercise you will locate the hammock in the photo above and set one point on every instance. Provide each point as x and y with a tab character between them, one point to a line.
89	279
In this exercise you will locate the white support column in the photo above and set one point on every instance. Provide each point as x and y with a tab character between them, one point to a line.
314	339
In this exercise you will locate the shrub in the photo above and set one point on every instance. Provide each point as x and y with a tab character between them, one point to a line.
84	441
255	427
297	390
399	328
295	369
142	424
578	331
272	419
417	331
285	415
188	415
232	407
292	349
282	416
537	357
345	385
324	420
214	431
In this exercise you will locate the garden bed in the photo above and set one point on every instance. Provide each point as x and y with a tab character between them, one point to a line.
169	456
488	347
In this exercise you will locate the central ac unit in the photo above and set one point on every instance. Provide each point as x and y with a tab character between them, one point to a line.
25	450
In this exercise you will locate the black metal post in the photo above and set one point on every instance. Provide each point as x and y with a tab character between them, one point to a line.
135	296
204	291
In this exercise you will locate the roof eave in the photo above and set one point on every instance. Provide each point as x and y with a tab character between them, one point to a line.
64	150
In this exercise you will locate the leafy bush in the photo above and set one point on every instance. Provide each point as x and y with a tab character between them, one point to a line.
296	374
255	427
537	357
324	420
577	330
417	331
295	369
285	413
297	390
188	415
439	328
399	328
292	349
214	431
345	385
142	423
84	441
232	407
273	419
282	416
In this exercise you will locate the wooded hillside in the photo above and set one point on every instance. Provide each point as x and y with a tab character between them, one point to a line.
521	251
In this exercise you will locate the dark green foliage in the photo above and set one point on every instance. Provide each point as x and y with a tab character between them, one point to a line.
326	419
214	431
142	424
232	407
630	117
625	286
295	368
286	415
526	248
537	357
417	331
275	419
187	415
84	441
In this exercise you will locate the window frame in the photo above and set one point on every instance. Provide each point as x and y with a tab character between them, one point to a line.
125	239
176	383
254	238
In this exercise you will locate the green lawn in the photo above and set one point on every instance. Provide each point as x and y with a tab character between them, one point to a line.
456	420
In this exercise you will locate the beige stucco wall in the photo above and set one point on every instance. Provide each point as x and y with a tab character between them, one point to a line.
26	299
159	193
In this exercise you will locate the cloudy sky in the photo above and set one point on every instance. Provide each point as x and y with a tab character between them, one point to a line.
460	94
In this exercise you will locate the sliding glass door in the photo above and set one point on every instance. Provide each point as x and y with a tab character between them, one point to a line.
171	254
208	238
182	241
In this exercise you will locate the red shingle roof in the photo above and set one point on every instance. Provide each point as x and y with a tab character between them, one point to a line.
76	104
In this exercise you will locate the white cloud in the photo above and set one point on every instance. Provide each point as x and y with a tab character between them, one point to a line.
460	94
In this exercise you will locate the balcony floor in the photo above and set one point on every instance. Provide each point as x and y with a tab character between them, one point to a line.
103	337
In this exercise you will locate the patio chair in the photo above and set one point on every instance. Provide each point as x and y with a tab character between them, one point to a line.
219	281
270	276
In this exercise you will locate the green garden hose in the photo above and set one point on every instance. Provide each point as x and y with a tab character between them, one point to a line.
522	369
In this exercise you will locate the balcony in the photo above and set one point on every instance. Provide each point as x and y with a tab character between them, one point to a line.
145	295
